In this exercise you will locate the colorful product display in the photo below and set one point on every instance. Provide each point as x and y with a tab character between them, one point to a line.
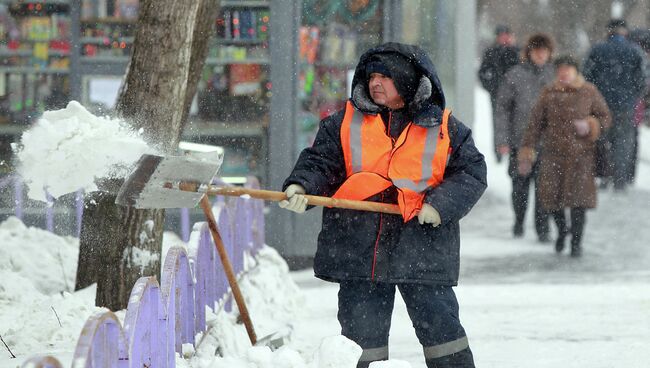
35	57
107	38
243	24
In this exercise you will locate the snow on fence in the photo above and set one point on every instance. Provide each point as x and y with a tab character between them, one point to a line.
160	318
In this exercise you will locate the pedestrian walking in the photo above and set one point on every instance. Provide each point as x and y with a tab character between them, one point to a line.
566	120
497	60
516	97
616	68
394	142
640	38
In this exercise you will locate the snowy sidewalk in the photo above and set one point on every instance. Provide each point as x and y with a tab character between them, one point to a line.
522	325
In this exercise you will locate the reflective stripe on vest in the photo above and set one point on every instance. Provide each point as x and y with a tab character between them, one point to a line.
414	163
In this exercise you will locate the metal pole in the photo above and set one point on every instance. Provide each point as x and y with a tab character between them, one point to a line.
285	22
75	50
465	47
392	20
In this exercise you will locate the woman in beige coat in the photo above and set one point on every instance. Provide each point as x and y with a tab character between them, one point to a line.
567	119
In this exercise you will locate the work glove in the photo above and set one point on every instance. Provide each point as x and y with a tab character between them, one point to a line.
295	201
429	215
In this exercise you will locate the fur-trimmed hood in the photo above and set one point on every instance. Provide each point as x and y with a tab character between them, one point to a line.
429	100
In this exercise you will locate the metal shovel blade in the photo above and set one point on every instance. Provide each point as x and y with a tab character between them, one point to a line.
144	187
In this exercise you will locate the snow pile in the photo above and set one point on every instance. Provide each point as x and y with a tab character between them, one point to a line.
37	310
66	150
337	351
44	262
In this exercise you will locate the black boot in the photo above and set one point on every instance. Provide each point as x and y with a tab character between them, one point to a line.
577	228
560	222
518	230
520	188
541	219
559	243
576	249
461	359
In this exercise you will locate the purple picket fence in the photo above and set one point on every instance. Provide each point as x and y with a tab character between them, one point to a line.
160	318
101	344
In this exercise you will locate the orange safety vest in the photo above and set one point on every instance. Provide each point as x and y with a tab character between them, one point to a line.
373	163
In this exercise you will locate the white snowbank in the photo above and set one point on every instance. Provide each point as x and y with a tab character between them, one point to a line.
45	262
67	149
38	312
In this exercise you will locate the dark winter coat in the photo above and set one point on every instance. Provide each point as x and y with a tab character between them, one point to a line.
567	162
497	60
372	246
517	95
616	68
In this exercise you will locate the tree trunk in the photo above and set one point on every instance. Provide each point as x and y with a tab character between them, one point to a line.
203	31
119	244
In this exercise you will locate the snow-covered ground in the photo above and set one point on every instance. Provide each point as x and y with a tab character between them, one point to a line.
521	304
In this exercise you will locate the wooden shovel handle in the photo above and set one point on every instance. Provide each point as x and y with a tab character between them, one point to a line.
271	195
227	267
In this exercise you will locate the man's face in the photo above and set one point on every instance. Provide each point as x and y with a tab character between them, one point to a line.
383	91
506	39
540	56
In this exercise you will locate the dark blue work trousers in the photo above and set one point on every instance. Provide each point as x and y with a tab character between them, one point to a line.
365	310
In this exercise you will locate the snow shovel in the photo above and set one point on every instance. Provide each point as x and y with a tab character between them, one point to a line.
182	182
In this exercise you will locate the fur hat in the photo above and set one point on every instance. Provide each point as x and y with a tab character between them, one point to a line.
566	60
538	41
397	67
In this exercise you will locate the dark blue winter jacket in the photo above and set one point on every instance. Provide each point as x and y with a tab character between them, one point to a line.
616	68
372	246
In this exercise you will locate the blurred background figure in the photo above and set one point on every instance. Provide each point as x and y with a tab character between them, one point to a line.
497	59
516	97
566	120
615	66
641	38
